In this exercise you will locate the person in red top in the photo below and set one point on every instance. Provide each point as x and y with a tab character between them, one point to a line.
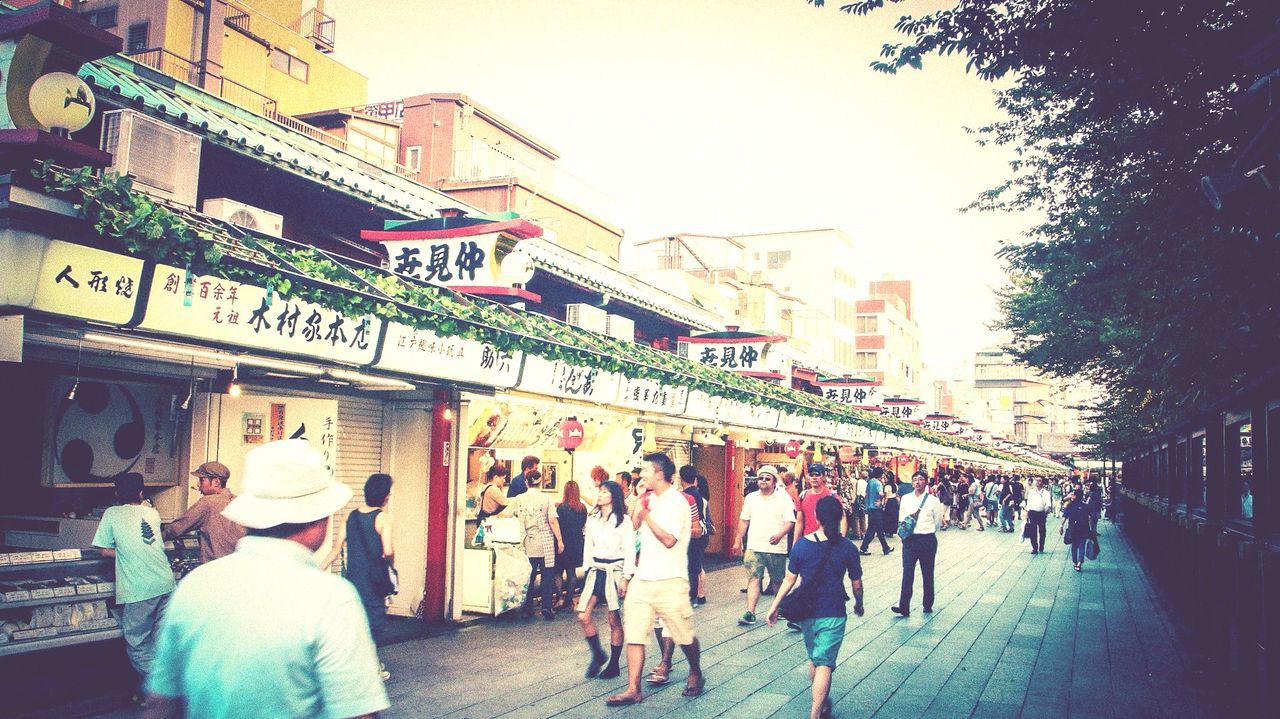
806	516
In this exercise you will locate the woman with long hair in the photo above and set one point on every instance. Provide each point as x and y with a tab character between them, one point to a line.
609	547
572	514
704	488
1075	526
821	559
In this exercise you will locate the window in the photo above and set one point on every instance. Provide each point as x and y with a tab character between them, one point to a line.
413	158
138	37
779	258
286	63
868	325
866	360
104	18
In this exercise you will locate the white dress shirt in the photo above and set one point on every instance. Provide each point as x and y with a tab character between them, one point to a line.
927	522
1038	500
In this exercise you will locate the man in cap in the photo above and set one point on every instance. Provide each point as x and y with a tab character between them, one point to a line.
265	632
218	535
807	518
770	515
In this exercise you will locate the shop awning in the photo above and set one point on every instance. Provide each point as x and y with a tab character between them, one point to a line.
179	238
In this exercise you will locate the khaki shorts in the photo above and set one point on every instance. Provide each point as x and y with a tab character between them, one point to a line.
757	562
665	599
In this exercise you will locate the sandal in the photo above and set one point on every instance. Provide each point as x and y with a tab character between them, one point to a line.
826	712
659	676
695	689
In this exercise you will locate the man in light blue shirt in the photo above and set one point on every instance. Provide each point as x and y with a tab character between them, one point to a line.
264	632
875	512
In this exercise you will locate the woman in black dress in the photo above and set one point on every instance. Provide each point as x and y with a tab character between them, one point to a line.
572	515
366	535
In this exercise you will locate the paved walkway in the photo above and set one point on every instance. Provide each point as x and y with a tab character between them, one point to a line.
1011	635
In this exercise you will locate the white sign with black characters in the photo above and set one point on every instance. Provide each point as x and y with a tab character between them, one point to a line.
84	282
422	352
856	395
701	405
558	378
244	315
652	395
751	415
460	262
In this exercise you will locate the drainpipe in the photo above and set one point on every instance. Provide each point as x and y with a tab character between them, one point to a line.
210	57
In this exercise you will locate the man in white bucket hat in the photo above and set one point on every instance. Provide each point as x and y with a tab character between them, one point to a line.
264	632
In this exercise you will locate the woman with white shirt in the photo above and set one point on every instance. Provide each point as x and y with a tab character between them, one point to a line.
609	553
921	545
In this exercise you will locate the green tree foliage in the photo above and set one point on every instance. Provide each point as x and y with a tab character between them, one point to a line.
1129	277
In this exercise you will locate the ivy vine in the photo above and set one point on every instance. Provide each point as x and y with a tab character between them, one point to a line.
150	230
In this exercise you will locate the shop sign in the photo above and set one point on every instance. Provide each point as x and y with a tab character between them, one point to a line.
866	395
847	453
940	424
701	405
793	448
742	352
751	415
103	429
649	394
240	315
87	283
906	410
449	262
423	352
558	378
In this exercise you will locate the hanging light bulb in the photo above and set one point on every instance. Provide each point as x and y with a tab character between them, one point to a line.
71	396
234	388
191	387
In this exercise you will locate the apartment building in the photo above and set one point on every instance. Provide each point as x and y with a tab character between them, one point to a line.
888	339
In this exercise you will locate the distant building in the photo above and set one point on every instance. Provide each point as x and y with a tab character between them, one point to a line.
888	339
1027	407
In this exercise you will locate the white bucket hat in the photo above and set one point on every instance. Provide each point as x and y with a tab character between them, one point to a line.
770	470
285	482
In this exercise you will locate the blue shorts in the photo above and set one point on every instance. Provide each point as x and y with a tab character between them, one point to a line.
822	639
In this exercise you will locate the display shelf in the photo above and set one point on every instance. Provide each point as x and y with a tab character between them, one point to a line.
71	599
75	564
62	640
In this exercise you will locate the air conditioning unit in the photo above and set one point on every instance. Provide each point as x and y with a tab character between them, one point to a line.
588	317
619	327
246	216
162	160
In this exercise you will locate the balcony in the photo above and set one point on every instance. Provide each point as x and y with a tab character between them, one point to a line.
169	63
481	162
317	27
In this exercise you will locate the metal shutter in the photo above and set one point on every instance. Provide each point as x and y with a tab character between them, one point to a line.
360	451
676	449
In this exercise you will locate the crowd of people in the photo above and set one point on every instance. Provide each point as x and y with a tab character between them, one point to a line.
637	537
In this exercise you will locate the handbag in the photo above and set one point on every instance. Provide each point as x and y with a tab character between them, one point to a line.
907	525
801	602
1091	548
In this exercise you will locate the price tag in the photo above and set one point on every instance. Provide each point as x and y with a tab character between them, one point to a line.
66	555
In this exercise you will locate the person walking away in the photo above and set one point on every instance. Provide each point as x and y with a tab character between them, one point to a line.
609	548
961	507
890	489
991	493
571	513
856	501
541	542
303	648
367	537
822	559
921	546
976	500
130	532
945	495
1075	526
1093	503
1006	505
660	586
704	489
770	516
873	504
1019	495
218	535
698	528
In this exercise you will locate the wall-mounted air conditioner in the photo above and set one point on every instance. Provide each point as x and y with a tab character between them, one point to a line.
619	327
588	317
162	160
246	216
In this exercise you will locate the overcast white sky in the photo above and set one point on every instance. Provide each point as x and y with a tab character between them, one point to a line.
729	116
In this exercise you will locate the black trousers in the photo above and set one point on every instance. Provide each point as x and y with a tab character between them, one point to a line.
697	549
875	528
922	548
545	575
1036	520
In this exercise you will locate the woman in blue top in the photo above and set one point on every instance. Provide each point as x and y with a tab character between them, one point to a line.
823	558
1075	526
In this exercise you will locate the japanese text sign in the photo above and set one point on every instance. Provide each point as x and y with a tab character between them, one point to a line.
449	262
558	378
406	349
86	283
648	394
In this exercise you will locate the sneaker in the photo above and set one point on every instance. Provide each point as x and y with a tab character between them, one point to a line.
865	552
748	619
382	672
702	600
889	550
548	614
793	626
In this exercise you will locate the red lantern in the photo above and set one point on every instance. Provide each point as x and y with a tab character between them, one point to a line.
793	448
571	434
848	454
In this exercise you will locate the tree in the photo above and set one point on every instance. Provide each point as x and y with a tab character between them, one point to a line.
1131	277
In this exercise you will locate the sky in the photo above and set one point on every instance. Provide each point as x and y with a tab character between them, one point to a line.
730	117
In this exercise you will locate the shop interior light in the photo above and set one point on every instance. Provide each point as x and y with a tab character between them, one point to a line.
233	389
191	387
71	396
448	414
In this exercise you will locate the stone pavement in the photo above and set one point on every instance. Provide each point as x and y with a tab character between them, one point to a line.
1012	635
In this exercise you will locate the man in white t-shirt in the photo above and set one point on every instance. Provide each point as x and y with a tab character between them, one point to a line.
770	515
660	586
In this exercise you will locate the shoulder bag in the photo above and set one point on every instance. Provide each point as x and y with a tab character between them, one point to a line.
907	525
802	601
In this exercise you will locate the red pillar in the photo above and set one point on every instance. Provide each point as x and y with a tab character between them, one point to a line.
438	480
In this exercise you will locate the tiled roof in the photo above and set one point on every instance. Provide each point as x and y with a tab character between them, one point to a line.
122	82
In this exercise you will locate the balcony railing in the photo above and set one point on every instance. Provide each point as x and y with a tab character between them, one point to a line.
169	63
317	27
482	161
238	17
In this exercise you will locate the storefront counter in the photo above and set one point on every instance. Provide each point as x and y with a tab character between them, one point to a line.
495	578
